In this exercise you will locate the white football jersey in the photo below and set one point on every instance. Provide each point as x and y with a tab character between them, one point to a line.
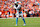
17	8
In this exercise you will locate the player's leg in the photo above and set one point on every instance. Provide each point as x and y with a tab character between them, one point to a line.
23	19
17	15
16	21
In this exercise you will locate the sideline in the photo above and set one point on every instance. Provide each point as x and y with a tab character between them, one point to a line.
20	17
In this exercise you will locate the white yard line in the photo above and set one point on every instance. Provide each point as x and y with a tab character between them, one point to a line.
32	17
20	17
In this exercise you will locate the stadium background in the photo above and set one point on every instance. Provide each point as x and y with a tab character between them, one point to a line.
30	8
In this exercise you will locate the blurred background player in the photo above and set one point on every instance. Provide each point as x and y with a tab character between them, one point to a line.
19	12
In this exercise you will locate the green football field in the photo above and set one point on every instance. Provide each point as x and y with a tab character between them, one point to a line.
11	22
